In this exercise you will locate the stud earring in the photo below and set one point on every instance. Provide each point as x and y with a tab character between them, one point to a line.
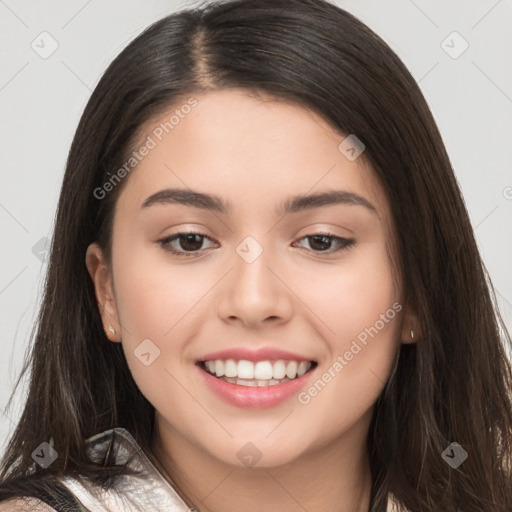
412	334
111	329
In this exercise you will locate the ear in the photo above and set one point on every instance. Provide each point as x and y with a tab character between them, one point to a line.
410	327
102	279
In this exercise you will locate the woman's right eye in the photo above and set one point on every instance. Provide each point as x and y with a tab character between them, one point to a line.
190	243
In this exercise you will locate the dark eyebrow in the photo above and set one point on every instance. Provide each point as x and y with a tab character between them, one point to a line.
330	198
188	198
291	205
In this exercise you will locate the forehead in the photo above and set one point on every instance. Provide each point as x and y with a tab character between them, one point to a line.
251	150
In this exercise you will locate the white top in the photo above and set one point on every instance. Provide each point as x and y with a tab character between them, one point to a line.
151	491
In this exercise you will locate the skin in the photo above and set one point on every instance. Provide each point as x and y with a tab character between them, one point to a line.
254	152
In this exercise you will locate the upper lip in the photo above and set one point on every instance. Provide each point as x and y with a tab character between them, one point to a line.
259	354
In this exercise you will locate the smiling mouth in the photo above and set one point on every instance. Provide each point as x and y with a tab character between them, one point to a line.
257	374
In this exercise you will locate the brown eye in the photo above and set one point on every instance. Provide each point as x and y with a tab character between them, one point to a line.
190	241
184	244
323	242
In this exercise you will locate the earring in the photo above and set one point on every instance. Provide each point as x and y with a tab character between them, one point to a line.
412	334
111	329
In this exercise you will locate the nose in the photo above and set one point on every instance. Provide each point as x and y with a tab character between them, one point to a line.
255	294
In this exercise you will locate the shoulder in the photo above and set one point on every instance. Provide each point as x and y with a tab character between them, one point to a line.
25	505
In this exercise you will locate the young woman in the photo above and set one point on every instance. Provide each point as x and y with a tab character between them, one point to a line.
264	291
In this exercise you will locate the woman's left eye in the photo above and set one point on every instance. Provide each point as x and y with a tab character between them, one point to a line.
191	243
323	242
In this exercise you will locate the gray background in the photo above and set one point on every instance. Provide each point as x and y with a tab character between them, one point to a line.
41	100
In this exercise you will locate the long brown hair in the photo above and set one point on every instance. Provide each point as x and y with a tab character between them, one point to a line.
453	385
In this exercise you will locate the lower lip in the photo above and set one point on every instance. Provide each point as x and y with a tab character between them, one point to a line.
255	397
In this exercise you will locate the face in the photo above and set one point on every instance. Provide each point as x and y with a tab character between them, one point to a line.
242	285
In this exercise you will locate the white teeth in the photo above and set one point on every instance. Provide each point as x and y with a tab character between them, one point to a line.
247	382
291	369
279	369
302	368
245	369
263	370
255	383
262	373
230	368
219	368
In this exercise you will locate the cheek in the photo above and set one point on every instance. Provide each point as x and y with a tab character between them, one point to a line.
360	306
152	295
352	296
159	302
154	306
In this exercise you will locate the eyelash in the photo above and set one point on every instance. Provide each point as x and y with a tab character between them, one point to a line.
344	243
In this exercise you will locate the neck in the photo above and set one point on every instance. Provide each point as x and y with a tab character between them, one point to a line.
332	479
